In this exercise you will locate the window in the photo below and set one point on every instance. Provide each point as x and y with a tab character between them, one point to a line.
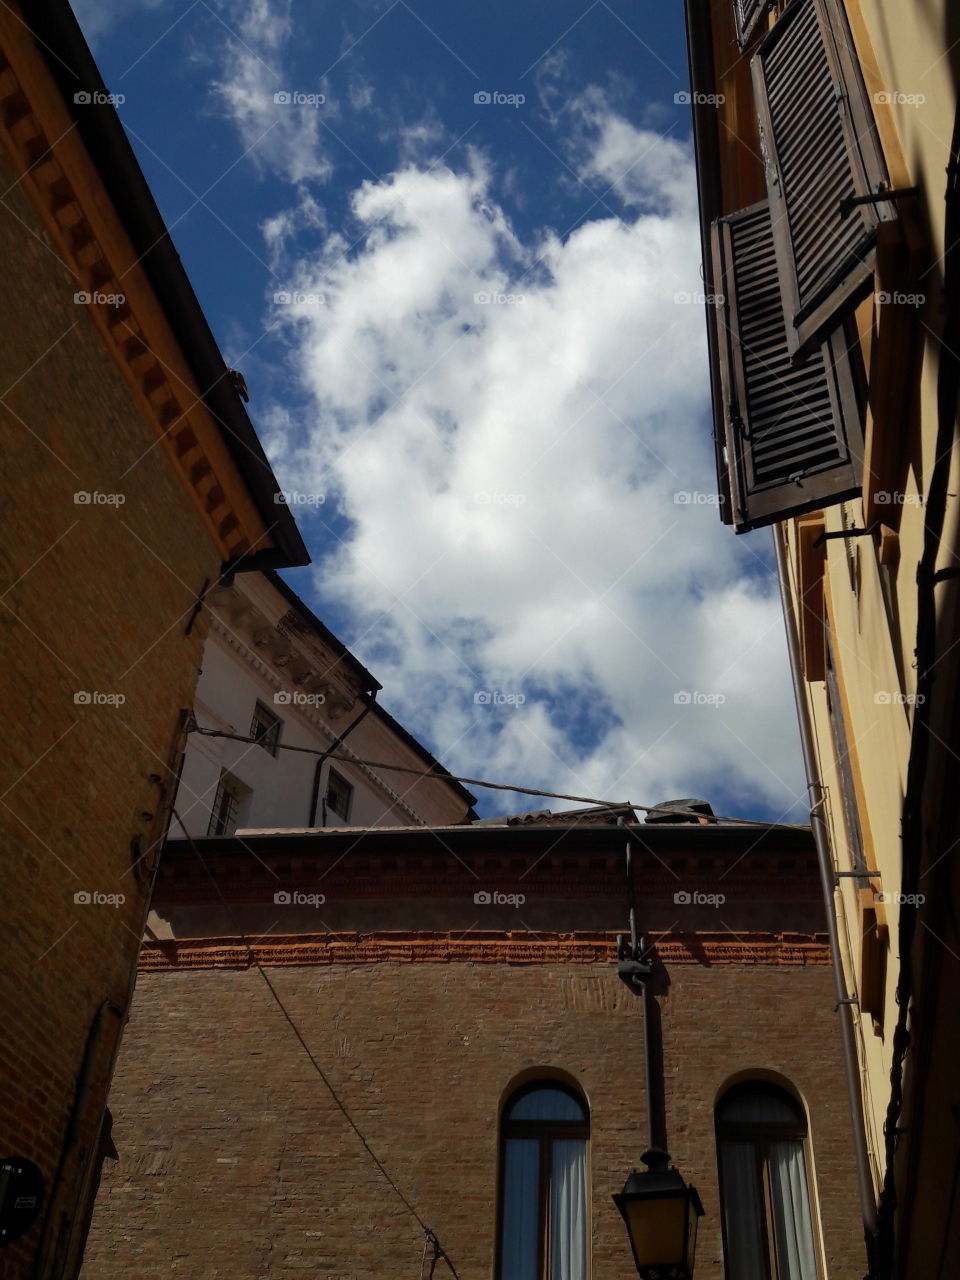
339	795
229	806
820	150
543	1184
792	432
765	1194
265	728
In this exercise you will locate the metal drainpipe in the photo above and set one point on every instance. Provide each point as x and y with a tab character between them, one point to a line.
315	793
868	1202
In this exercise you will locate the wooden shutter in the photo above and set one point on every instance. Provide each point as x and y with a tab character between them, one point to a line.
792	433
748	13
819	145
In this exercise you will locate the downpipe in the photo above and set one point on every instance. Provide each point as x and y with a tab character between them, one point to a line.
868	1200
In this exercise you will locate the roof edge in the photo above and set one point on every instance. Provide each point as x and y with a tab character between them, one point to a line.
63	47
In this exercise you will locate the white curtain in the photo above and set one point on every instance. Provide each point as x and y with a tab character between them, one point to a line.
743	1211
568	1210
521	1182
791	1203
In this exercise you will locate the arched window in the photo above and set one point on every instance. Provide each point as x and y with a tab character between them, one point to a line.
764	1188
543	1184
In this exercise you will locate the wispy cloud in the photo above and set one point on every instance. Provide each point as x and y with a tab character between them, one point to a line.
279	122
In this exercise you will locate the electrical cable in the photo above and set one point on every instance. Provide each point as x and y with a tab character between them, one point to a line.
503	786
429	1235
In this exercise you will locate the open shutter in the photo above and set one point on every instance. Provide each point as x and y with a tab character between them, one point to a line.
820	146
748	14
792	431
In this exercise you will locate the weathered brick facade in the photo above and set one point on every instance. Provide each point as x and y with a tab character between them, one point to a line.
236	1160
106	547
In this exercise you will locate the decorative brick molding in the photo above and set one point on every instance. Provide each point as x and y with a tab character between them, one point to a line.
90	242
477	948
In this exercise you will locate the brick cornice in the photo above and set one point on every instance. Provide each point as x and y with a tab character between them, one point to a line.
53	167
448	864
477	948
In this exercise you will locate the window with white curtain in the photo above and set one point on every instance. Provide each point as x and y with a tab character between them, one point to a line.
767	1213
544	1227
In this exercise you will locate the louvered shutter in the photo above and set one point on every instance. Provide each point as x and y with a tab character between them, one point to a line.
792	432
819	146
748	14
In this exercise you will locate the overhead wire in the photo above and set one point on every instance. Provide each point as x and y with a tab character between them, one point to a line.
444	776
430	1236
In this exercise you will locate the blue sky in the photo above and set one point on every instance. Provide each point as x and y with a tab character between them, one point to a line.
454	251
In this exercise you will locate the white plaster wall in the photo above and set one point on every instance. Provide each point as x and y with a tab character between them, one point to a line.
234	677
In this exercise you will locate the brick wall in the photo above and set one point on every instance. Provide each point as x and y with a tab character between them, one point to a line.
94	599
235	1162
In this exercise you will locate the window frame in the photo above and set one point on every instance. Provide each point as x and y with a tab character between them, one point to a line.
229	787
545	1132
350	790
761	1136
269	739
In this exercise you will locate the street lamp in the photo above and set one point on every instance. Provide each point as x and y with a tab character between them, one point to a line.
662	1214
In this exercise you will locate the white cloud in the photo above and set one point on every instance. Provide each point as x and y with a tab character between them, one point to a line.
509	471
646	170
279	122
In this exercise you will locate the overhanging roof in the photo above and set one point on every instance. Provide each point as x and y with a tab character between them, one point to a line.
62	45
370	687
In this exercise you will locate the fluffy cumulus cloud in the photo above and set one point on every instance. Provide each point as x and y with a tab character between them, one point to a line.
514	435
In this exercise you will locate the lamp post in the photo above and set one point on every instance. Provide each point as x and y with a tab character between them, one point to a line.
660	1210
